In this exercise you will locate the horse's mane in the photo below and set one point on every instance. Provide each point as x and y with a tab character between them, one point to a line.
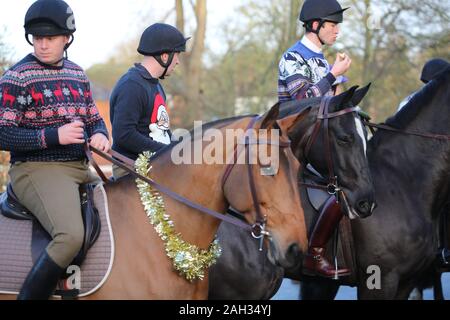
294	106
206	126
420	100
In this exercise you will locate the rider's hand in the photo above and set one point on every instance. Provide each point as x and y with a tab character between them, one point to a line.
341	65
71	133
100	142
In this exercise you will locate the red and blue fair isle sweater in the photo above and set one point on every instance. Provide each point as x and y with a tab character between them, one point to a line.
35	100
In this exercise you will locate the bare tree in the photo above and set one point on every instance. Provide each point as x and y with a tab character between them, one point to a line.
189	101
389	41
244	78
293	21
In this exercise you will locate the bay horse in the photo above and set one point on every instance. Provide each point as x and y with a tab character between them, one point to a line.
242	272
141	269
411	178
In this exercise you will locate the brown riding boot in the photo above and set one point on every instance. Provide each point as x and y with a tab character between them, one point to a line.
315	262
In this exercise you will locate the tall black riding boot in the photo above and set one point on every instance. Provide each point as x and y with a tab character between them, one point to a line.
315	262
42	279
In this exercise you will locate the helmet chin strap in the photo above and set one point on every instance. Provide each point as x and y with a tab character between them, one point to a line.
321	23
28	39
57	62
165	65
65	55
53	63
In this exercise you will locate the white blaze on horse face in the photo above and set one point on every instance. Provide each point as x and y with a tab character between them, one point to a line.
360	130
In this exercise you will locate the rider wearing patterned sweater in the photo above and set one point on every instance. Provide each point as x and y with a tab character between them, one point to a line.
37	99
303	70
46	113
303	73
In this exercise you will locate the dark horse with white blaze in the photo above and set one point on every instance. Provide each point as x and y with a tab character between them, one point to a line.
411	177
244	273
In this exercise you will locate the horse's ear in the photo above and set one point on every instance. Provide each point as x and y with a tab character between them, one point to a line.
270	117
360	94
288	123
344	98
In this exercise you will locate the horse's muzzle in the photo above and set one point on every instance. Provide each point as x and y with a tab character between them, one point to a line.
294	255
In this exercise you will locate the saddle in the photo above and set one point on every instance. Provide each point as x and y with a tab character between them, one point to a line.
316	197
340	248
11	208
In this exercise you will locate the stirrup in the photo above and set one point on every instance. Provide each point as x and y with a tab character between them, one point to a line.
444	257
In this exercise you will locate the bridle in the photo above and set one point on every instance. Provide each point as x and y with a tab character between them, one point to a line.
331	186
257	229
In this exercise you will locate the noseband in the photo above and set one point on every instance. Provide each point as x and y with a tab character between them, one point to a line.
258	228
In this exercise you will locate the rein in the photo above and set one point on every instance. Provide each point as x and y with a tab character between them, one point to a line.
409	132
323	116
166	191
257	229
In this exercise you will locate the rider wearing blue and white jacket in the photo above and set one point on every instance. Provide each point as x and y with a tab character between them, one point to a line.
303	70
303	73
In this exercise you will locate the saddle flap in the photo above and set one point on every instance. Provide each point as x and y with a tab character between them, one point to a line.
91	222
11	208
316	197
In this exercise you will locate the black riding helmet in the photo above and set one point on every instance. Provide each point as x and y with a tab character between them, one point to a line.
320	10
162	38
49	18
432	69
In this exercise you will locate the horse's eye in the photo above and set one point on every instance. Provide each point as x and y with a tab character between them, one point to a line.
345	139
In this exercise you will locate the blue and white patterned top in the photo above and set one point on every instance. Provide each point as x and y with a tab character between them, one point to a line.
304	72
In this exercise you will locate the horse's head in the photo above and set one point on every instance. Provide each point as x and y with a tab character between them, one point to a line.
333	140
274	202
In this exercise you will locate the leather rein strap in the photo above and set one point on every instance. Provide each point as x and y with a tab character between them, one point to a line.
91	159
414	133
127	164
130	169
323	116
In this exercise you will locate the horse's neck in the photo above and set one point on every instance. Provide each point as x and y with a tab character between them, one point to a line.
200	185
412	163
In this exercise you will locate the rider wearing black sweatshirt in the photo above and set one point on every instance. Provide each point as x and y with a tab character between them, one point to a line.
137	101
139	117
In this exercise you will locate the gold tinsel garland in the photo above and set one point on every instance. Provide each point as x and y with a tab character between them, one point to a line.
188	259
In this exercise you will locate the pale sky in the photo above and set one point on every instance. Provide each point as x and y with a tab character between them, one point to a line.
102	25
